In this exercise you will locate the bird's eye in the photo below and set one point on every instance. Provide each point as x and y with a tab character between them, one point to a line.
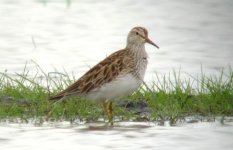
136	33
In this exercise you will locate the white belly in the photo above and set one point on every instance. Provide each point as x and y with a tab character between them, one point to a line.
115	89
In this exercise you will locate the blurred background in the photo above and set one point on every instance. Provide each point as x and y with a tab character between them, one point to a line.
195	37
76	34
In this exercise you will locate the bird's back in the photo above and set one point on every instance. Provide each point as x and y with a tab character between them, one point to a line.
117	64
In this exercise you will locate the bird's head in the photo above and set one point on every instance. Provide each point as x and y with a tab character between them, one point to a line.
139	35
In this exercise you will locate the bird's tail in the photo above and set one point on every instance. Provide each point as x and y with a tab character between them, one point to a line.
55	98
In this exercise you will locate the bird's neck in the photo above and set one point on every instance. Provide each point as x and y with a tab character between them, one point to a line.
140	58
138	50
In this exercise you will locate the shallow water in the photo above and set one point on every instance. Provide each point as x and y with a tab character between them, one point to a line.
124	135
77	34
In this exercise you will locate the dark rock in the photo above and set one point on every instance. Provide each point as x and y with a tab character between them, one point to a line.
8	100
24	102
123	103
138	106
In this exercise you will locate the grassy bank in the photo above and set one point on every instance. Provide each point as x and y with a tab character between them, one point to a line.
24	96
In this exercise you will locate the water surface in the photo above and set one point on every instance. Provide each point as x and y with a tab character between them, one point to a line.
124	135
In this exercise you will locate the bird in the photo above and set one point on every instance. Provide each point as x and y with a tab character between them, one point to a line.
116	76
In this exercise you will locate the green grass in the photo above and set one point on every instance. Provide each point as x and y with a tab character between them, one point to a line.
169	97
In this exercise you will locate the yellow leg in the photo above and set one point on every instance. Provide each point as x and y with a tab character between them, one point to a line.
106	107
110	113
108	110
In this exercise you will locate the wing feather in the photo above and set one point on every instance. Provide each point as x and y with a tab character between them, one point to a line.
119	63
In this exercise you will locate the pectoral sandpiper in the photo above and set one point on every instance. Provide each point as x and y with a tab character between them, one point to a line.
118	75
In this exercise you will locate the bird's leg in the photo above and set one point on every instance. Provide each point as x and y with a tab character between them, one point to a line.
110	113
106	108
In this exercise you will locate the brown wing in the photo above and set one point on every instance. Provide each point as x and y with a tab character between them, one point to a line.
104	72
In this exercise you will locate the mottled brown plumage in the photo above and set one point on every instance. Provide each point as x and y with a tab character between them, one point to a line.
102	73
118	75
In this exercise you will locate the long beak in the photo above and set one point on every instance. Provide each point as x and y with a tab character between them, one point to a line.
151	42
